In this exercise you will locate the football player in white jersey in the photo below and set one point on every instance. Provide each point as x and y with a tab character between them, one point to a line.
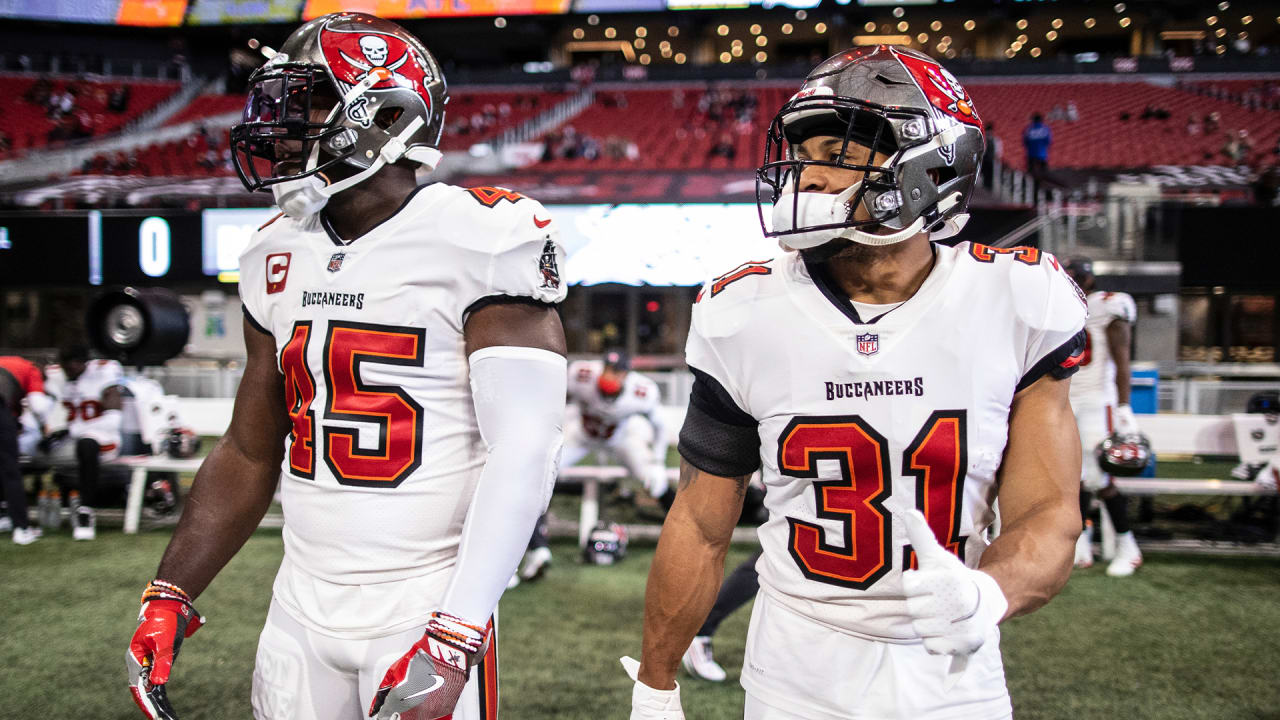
891	389
1100	400
612	411
405	387
89	392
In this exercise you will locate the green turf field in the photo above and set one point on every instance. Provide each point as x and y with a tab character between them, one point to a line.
1187	638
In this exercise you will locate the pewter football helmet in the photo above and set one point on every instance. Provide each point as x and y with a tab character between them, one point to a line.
390	90
898	102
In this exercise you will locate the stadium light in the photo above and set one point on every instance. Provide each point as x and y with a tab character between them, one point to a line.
499	22
801	15
869	27
1022	39
786	28
1124	22
610	33
935	26
1051	35
1022	24
762	56
1119	8
644	59
639	43
722	30
1220	32
755	29
673	31
903	26
1009	52
666	52
1211	20
1246	19
725	57
1035	52
736	51
736	43
822	27
1222	6
762	41
969	25
1220	49
593	20
578	34
1090	22
1057	23
922	38
940	47
946	40
898	12
641	31
680	58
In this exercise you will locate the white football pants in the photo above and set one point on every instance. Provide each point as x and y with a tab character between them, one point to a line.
1095	423
631	444
796	668
302	673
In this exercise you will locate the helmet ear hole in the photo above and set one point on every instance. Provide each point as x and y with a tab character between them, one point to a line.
387	116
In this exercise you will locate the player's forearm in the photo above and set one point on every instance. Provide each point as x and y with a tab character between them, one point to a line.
1031	559
687	569
683	582
231	493
516	392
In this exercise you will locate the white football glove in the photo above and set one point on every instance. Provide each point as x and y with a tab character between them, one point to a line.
1125	422
650	704
954	608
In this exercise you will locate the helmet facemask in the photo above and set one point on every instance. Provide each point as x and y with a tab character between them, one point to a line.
279	120
804	220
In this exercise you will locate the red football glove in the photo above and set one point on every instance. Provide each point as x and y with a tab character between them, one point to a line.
166	619
425	683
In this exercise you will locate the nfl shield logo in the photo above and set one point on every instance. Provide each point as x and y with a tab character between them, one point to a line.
335	263
868	344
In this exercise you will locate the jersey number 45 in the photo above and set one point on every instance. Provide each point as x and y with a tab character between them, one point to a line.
936	459
348	345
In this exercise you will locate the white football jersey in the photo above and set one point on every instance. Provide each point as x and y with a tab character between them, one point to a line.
82	400
384	452
858	419
601	415
1095	384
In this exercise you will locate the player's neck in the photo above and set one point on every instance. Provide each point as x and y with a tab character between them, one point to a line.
354	212
883	275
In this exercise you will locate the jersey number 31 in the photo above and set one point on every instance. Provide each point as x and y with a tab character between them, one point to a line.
935	458
397	417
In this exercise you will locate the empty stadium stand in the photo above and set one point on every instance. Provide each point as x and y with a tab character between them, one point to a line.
1102	137
28	123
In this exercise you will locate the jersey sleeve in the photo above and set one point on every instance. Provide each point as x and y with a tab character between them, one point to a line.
719	435
1120	306
256	267
1052	310
522	259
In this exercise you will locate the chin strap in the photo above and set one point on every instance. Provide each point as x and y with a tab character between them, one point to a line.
391	151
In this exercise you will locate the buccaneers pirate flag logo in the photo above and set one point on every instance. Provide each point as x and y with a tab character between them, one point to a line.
354	55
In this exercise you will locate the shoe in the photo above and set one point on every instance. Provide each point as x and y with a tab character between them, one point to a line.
1084	547
26	535
5	524
699	662
1128	557
536	562
84	525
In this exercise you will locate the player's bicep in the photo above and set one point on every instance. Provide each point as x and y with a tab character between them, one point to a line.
1041	467
259	420
514	322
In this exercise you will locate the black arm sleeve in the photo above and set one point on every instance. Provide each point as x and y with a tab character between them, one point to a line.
1062	363
717	436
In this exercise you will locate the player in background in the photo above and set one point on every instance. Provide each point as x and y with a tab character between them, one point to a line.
404	386
891	389
89	392
21	387
612	411
1100	400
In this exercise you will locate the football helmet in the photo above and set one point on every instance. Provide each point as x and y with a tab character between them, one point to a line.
181	443
1124	455
618	364
899	103
606	545
390	98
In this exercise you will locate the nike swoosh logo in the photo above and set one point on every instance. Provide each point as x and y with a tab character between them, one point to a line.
438	682
541	223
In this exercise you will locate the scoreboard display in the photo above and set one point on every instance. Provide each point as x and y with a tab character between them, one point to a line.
98	248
